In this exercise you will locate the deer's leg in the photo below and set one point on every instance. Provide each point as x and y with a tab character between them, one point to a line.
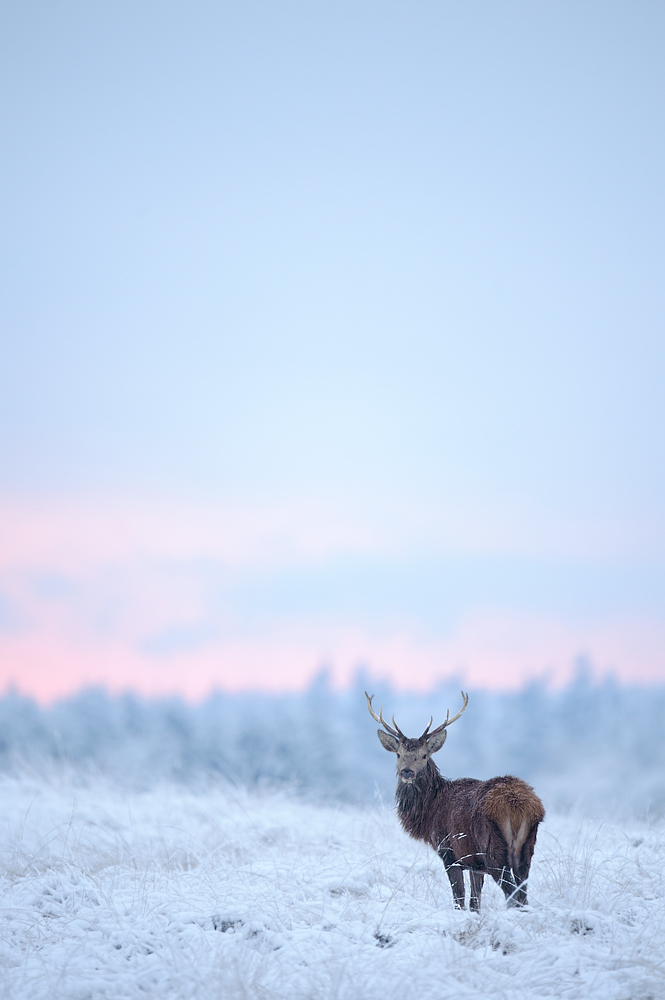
520	880
521	873
504	879
456	875
499	867
521	870
477	879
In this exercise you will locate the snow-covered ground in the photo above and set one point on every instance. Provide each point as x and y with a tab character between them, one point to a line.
227	893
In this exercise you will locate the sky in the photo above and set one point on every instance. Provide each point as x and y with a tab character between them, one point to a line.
331	336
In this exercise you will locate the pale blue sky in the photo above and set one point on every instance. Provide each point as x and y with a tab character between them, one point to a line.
395	252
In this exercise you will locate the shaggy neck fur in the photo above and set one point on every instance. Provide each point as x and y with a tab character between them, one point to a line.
416	801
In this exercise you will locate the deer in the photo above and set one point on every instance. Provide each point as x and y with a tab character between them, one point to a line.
484	827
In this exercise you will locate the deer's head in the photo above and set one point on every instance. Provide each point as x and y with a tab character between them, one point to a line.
412	755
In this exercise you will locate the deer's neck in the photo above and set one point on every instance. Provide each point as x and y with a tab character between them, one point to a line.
416	802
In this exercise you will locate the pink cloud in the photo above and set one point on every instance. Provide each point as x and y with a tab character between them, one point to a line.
491	650
124	572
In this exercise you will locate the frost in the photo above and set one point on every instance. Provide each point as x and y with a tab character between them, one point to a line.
229	893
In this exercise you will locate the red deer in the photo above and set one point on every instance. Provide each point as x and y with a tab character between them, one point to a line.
487	827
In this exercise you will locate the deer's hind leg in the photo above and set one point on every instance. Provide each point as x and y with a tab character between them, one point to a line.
523	866
455	873
499	867
505	881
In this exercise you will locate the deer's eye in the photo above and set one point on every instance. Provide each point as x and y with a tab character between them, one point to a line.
424	756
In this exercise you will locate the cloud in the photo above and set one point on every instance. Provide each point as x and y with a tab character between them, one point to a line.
187	598
494	650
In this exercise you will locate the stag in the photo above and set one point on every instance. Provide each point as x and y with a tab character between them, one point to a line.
486	827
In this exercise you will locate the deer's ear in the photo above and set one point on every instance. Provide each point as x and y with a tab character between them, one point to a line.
435	743
388	742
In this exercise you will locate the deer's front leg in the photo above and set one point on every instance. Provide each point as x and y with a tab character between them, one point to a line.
455	874
477	879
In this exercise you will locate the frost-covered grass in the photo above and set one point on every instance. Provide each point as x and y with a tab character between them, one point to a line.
227	893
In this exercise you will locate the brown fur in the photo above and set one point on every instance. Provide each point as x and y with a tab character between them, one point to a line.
515	808
487	827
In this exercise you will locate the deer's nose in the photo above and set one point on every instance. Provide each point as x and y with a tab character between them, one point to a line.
408	773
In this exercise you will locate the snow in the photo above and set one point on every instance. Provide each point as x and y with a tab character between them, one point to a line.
232	893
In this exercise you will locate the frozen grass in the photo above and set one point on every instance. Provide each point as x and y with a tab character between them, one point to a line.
230	894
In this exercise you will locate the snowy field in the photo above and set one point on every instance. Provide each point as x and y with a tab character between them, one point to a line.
235	894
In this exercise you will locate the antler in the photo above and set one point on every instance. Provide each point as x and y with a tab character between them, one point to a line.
448	720
431	720
379	718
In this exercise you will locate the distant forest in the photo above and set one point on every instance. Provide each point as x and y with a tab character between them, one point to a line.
593	747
